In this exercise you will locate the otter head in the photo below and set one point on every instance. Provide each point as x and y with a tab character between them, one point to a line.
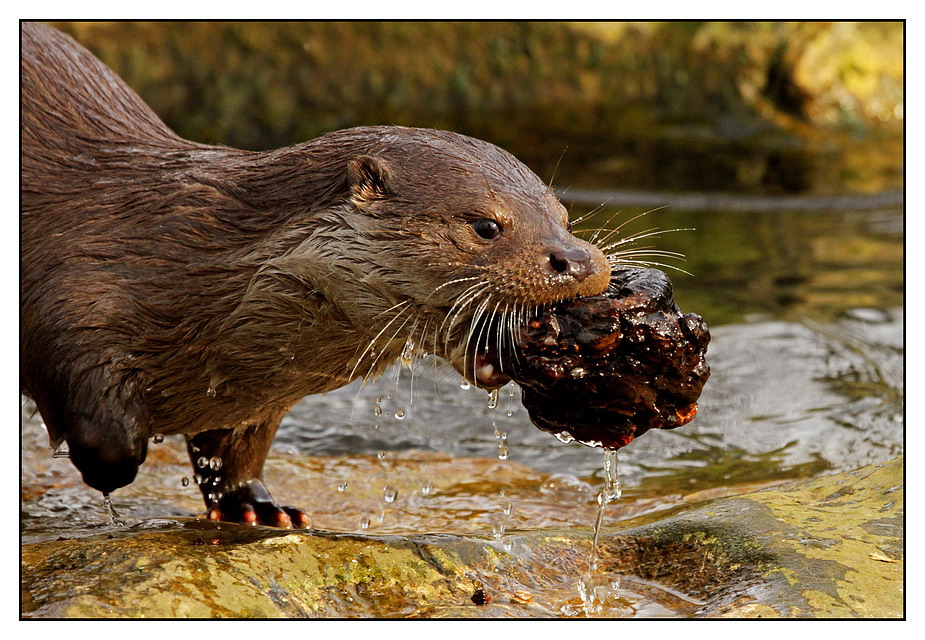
464	242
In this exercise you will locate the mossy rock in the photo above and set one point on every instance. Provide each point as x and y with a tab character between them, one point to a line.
829	547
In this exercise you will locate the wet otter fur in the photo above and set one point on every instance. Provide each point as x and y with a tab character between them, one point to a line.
173	287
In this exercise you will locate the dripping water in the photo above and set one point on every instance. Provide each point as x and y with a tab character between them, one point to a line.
114	517
609	492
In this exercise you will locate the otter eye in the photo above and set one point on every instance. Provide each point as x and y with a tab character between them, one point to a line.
488	229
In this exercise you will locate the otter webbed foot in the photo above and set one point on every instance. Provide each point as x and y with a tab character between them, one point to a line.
252	504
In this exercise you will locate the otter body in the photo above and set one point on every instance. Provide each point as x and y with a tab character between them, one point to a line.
173	287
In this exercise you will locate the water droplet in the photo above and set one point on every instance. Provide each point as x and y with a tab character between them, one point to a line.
506	508
497	531
158	438
400	414
364	522
503	451
184	481
427	487
407	353
202	462
381	517
493	399
215	464
210	392
497	433
380	455
342	486
377	426
378	399
564	437
510	412
389	493
464	385
510	390
377	411
197	479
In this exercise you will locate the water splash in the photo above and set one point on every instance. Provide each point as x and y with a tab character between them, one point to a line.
114	517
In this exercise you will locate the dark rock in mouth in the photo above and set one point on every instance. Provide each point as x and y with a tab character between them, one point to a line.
604	370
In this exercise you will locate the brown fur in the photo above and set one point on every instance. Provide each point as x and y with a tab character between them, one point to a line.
173	287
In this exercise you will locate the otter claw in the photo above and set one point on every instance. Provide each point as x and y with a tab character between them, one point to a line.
251	505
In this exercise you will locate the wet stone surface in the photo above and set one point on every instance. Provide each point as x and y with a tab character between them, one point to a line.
827	547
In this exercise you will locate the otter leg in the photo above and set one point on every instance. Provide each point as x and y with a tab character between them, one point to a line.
229	463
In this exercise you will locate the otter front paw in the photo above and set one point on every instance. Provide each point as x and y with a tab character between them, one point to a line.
251	504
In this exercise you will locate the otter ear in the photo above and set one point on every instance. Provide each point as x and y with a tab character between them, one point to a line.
369	179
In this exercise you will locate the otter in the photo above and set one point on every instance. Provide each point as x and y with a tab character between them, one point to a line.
171	287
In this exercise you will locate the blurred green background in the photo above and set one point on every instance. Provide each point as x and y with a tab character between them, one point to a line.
742	106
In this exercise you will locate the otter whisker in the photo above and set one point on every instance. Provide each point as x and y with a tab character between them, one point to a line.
469	296
473	323
462	301
649	251
602	241
549	187
378	335
593	239
649	233
643	263
499	334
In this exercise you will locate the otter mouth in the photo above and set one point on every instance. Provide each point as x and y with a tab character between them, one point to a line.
488	370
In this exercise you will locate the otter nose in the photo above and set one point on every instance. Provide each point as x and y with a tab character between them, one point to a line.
575	262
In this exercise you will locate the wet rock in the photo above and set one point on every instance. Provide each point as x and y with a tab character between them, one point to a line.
830	547
604	370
